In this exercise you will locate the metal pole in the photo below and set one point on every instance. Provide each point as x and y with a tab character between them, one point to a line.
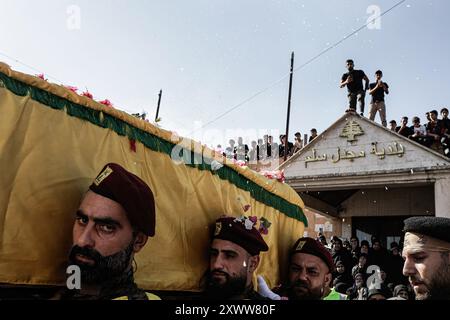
159	103
289	108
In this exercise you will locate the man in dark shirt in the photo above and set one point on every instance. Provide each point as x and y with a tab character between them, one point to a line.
242	150
377	90
313	135
404	129
445	121
393	126
281	147
353	79
434	126
445	127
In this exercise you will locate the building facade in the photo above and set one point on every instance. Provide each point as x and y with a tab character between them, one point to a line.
367	179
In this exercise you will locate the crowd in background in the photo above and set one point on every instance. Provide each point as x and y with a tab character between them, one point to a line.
368	271
434	134
265	149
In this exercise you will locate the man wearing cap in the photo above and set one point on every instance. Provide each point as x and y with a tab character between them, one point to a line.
113	222
234	257
426	252
310	272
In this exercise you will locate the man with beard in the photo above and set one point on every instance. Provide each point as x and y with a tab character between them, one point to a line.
427	257
114	220
310	272
234	257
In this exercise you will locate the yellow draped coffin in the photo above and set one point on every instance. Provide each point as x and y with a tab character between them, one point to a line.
53	142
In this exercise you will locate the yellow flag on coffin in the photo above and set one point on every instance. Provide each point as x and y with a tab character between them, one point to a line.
54	142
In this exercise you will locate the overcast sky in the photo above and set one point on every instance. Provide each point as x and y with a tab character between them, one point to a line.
209	56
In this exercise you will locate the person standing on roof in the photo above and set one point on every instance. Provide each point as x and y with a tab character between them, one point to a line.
377	91
353	79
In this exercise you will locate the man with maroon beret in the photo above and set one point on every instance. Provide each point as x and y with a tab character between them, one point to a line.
113	222
234	257
310	271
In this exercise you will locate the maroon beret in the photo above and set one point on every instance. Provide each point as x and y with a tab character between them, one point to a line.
131	192
235	230
314	247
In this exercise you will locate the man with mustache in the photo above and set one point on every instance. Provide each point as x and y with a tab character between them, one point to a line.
234	257
114	220
426	251
310	272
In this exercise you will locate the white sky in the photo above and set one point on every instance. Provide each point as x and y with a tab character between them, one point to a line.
209	56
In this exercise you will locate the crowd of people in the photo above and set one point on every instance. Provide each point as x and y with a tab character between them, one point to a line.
265	149
434	134
116	218
353	275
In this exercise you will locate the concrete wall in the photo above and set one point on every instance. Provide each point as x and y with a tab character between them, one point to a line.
315	219
442	196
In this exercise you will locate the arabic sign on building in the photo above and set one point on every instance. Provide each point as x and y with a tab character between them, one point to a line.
392	149
355	145
350	131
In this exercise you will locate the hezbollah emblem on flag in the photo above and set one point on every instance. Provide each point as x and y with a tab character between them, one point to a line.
218	228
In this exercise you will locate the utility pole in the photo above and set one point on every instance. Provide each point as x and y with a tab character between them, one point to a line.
159	103
289	108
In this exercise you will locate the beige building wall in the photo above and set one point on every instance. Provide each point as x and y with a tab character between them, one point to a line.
394	176
390	202
317	220
442	196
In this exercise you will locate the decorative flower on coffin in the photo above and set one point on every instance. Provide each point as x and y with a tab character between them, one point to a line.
240	163
216	165
253	219
87	94
245	206
41	76
106	102
264	225
132	145
248	224
277	174
72	88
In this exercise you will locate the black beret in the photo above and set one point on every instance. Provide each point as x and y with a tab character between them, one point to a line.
234	230
436	227
315	248
131	192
